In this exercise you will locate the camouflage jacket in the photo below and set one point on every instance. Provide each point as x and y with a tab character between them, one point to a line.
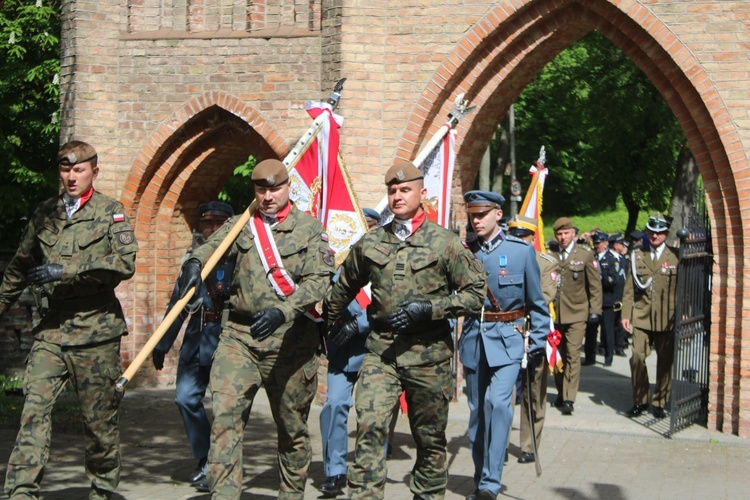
306	256
96	248
652	308
431	264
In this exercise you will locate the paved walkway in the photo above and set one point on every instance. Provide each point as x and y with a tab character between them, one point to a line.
597	453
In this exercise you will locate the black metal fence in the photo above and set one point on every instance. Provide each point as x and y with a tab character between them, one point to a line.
689	397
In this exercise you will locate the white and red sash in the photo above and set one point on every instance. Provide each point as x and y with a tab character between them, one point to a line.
281	282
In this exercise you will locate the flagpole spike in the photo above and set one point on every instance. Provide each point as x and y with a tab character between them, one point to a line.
542	156
333	99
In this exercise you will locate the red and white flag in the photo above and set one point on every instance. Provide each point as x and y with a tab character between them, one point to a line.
438	178
321	186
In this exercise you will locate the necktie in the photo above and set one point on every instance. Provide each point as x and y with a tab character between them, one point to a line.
563	255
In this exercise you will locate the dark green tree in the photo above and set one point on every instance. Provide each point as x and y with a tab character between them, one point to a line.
608	132
29	105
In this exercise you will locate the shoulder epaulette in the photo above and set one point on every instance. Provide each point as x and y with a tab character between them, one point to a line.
548	257
514	239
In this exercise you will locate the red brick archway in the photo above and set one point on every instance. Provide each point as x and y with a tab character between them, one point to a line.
185	163
501	54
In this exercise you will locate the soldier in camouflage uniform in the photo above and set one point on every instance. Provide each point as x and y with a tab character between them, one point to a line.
420	276
282	267
76	249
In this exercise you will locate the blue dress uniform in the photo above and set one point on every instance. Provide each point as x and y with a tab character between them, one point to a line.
198	346
344	363
491	348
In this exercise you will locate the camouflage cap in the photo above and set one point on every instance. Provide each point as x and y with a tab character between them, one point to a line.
75	152
562	223
270	173
215	209
402	171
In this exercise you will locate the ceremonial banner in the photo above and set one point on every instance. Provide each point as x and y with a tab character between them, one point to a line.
437	168
532	203
321	186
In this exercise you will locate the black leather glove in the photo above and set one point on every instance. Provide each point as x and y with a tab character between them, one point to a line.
593	319
410	314
158	358
190	276
45	273
342	333
535	358
265	322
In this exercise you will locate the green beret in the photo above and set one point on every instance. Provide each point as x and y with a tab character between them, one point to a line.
562	223
402	171
75	152
270	173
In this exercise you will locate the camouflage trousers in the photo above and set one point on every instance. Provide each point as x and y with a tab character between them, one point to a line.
93	371
428	392
289	376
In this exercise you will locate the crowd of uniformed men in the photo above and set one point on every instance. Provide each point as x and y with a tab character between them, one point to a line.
388	317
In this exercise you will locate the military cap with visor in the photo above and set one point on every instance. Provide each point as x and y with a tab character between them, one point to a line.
270	173
402	171
215	209
658	223
482	201
75	152
370	213
521	226
599	237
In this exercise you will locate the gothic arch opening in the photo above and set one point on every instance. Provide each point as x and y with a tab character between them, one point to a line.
507	48
186	163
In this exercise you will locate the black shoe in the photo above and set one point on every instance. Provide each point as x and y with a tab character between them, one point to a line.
526	458
199	473
473	496
567	408
659	412
636	410
486	495
202	486
558	402
333	486
608	363
621	352
588	362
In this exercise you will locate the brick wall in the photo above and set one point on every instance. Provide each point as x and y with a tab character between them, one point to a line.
173	94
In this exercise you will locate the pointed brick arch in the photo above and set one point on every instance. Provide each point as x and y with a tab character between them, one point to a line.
501	54
186	162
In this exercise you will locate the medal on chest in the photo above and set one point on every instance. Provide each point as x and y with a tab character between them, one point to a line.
503	272
219	280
